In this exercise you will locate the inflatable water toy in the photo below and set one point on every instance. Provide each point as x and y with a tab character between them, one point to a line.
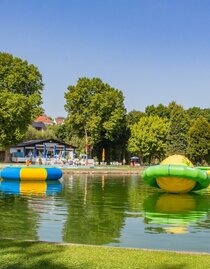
31	173
176	175
205	168
27	188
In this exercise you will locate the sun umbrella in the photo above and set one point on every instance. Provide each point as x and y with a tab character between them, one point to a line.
134	158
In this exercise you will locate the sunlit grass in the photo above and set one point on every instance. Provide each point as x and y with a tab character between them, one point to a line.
16	254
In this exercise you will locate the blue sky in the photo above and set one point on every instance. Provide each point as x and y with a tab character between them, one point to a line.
155	51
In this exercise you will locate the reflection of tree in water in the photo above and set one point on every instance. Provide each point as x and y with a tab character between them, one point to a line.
17	219
174	212
21	204
137	192
95	209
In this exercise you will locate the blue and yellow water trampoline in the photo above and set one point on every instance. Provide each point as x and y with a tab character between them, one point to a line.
31	173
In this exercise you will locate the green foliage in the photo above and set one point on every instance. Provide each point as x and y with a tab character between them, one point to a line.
16	112
17	76
177	136
20	98
66	134
199	141
33	134
161	111
95	110
148	137
196	112
134	116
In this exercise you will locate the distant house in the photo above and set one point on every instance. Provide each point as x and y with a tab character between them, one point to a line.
43	148
59	120
40	126
44	119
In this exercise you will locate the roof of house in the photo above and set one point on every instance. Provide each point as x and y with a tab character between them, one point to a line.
59	120
45	119
41	141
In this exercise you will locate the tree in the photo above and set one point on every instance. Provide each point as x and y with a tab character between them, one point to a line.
180	124
198	147
20	97
17	76
66	134
134	116
16	112
148	138
95	110
196	112
160	110
32	133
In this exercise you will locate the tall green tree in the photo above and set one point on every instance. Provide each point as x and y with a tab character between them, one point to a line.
198	148
16	112
20	97
95	110
18	76
180	124
148	138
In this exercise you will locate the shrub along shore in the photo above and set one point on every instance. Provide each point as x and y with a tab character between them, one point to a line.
22	254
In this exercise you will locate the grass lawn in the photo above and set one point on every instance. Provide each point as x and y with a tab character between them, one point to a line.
17	254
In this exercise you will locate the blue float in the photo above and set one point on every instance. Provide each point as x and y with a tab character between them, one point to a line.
31	173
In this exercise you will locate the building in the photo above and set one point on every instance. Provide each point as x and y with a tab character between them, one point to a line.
44	119
43	148
59	120
41	122
40	126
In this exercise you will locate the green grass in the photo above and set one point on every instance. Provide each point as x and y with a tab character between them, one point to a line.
17	254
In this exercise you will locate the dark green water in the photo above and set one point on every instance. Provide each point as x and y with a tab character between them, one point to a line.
105	210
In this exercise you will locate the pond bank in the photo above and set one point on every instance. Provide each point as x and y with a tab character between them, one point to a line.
20	254
100	171
97	170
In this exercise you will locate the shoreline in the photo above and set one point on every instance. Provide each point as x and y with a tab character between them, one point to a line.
68	244
97	170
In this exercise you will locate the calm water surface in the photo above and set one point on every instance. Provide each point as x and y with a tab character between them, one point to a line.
105	210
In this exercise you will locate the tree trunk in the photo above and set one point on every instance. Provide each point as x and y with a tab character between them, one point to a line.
7	158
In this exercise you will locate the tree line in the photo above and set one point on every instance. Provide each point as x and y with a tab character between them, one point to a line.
97	119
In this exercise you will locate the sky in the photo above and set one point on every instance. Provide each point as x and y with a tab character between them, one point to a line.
154	51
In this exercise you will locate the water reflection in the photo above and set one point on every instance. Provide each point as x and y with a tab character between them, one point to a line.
27	208
96	209
28	188
104	210
172	213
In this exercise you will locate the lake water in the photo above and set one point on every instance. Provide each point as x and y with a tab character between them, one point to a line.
105	210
